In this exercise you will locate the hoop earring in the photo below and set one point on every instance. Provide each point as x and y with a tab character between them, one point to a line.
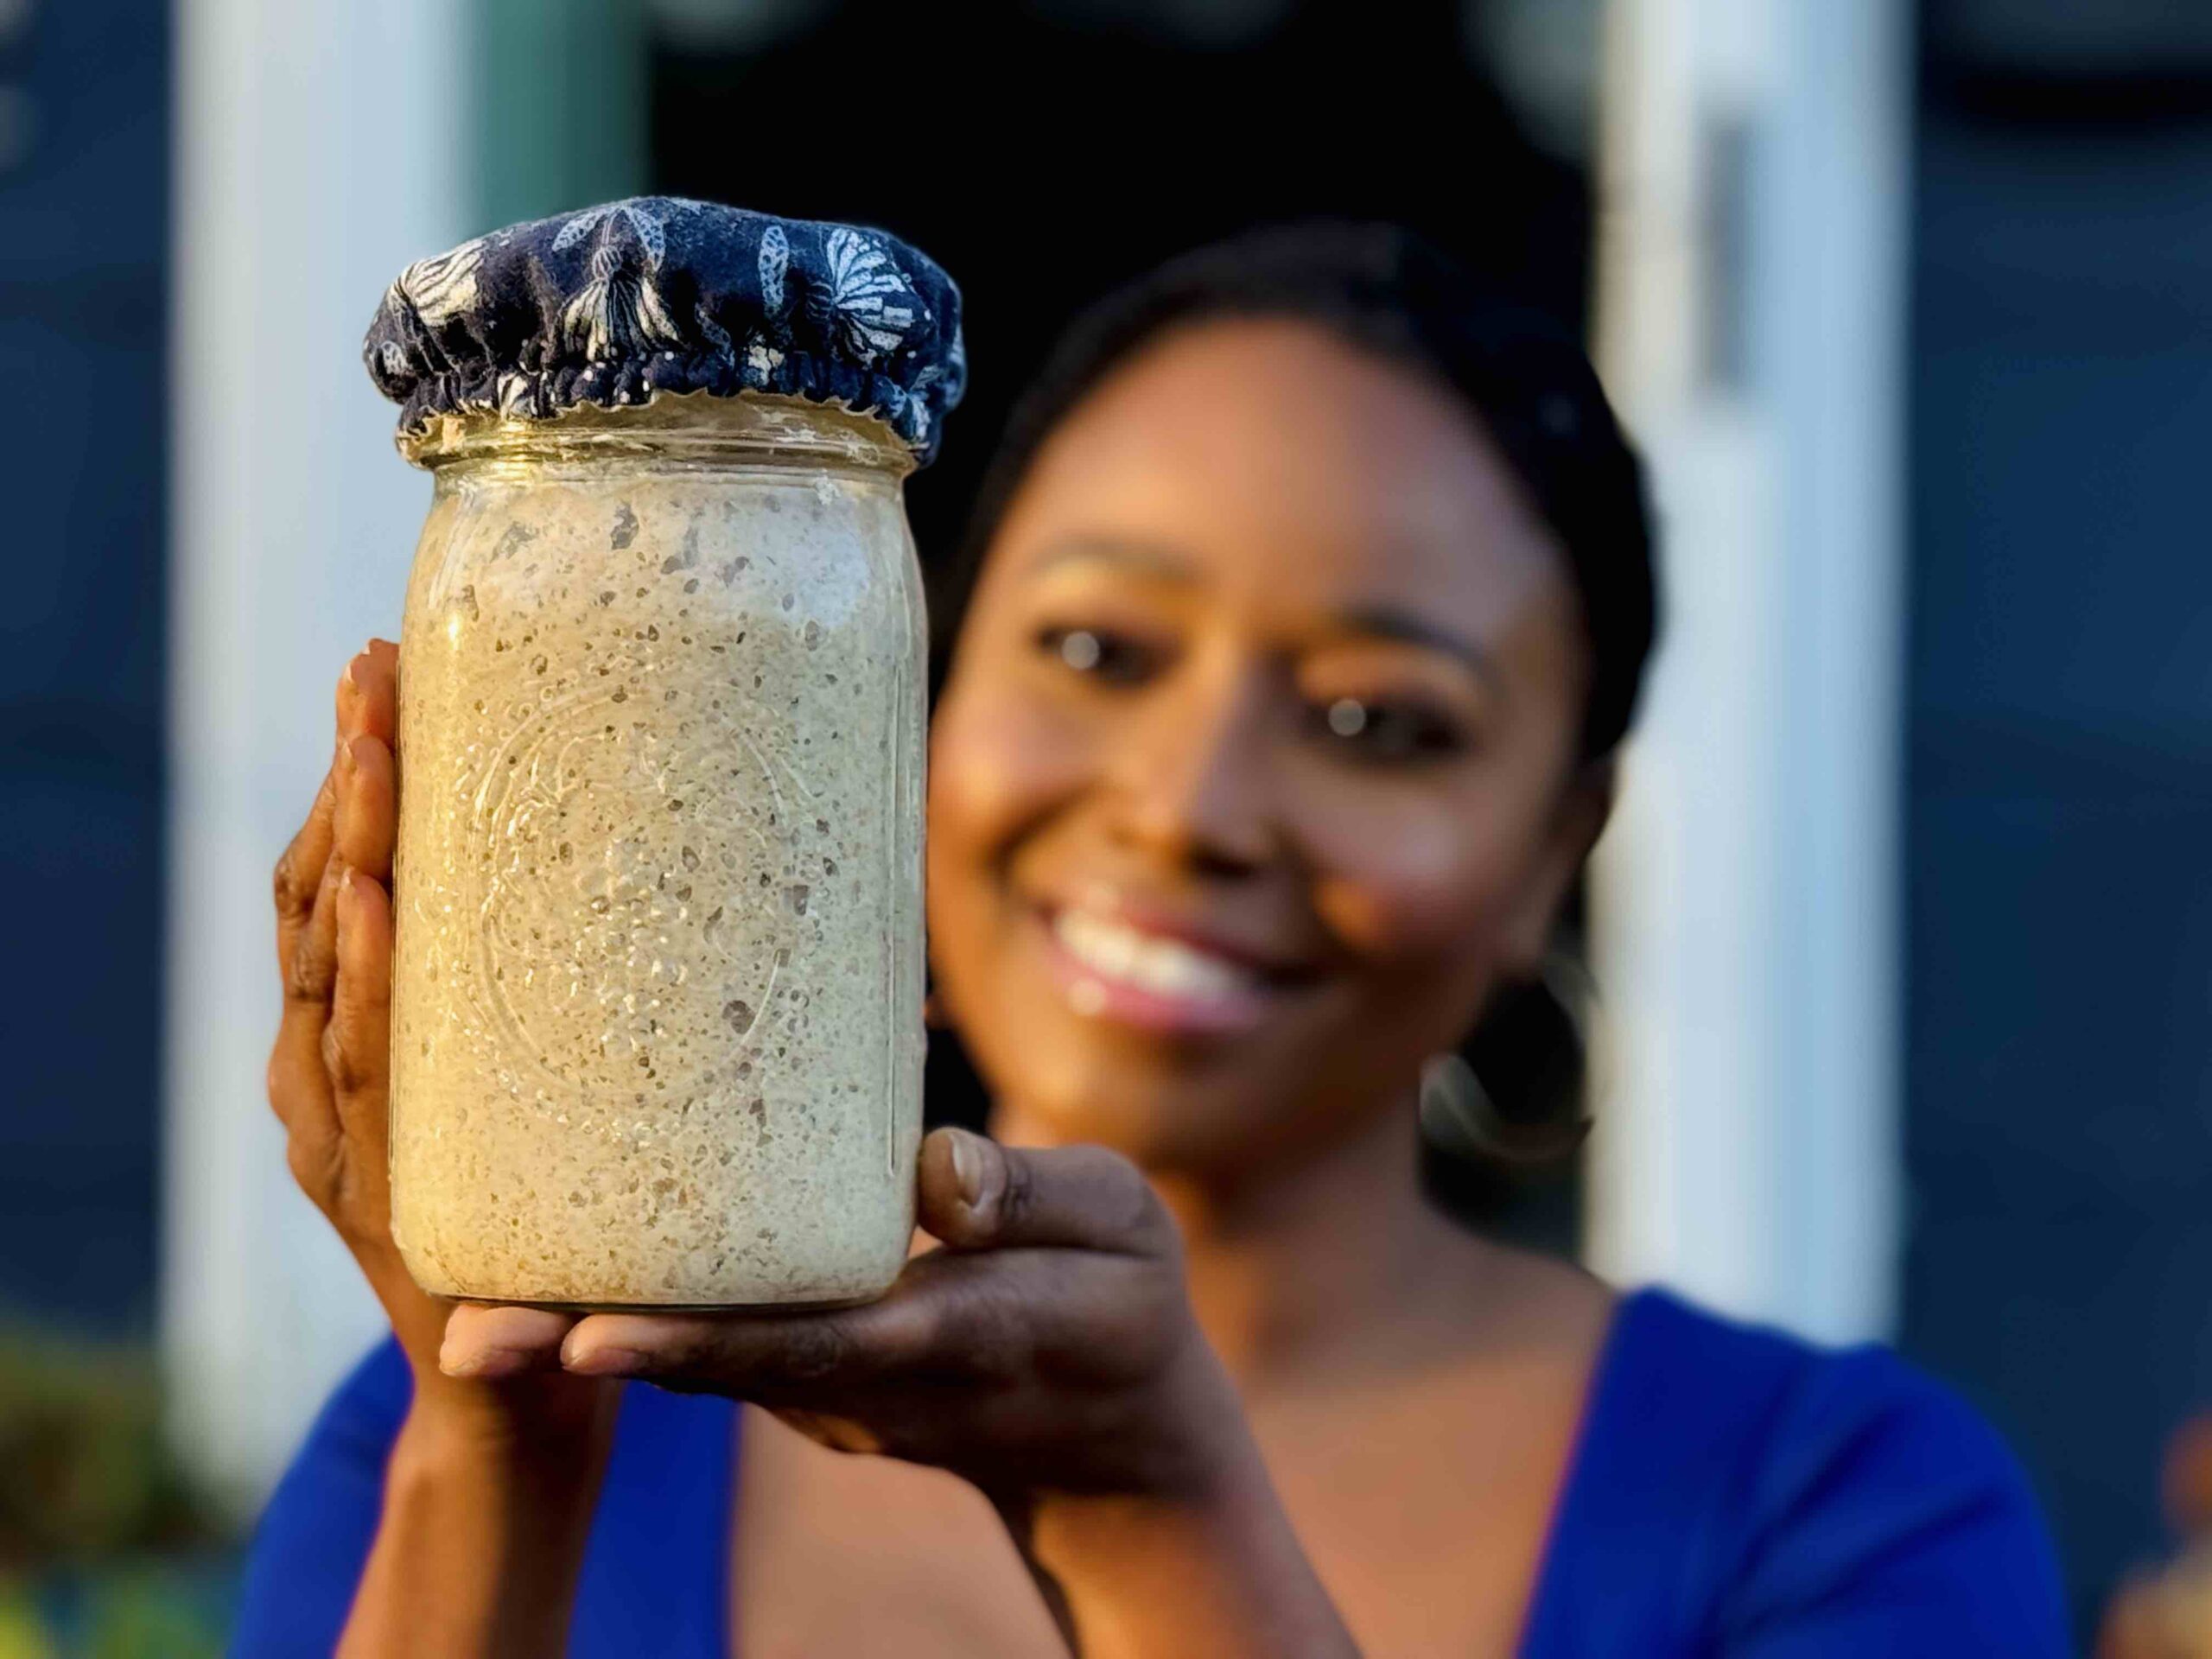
1539	1029
1457	1114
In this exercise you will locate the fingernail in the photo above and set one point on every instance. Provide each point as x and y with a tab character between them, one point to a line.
459	1362
491	1364
602	1362
967	1166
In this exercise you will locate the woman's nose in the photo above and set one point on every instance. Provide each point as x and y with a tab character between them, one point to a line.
1193	770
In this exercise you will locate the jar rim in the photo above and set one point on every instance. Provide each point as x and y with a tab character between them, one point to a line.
699	427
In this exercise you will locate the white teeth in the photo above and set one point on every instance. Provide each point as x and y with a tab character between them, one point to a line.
1112	950
1163	966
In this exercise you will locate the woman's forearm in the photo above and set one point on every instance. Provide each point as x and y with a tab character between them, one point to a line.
1204	1562
1134	1576
480	1539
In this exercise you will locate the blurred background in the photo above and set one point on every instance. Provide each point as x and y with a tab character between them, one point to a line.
1902	945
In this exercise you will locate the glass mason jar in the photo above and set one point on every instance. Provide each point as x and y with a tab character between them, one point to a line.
657	1032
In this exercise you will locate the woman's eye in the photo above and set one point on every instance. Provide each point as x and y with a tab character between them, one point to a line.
1373	728
1099	653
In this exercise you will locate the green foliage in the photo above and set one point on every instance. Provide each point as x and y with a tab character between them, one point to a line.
134	1610
24	1634
85	1473
105	1551
150	1617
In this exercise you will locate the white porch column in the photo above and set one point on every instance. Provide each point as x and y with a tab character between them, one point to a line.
320	146
1753	201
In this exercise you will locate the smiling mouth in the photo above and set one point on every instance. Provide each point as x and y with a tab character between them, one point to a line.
1166	967
1108	969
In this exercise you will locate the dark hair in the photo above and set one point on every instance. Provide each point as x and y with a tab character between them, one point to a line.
1528	384
1383	288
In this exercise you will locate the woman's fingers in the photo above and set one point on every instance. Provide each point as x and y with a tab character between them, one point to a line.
2132	1628
368	693
756	1356
303	874
364	824
976	1194
301	1088
485	1342
299	871
299	1083
356	1043
297	1088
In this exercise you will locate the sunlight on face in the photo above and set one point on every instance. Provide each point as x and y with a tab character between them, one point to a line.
1249	779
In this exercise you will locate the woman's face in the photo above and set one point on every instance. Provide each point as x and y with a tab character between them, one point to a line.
1255	766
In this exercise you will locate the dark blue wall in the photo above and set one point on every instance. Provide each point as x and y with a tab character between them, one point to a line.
2059	1116
83	235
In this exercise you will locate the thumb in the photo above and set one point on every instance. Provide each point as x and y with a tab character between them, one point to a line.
976	1194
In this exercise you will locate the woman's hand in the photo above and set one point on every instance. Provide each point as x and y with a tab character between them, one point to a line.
327	1073
333	955
1050	1341
2166	1612
489	1490
1047	1353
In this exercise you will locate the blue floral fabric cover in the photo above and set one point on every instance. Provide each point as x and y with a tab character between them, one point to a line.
613	303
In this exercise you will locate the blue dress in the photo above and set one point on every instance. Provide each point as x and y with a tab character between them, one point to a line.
1733	1493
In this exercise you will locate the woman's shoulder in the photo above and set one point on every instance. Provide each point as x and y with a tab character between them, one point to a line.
655	1568
1822	1497
315	1531
369	1404
1800	1415
1766	1388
